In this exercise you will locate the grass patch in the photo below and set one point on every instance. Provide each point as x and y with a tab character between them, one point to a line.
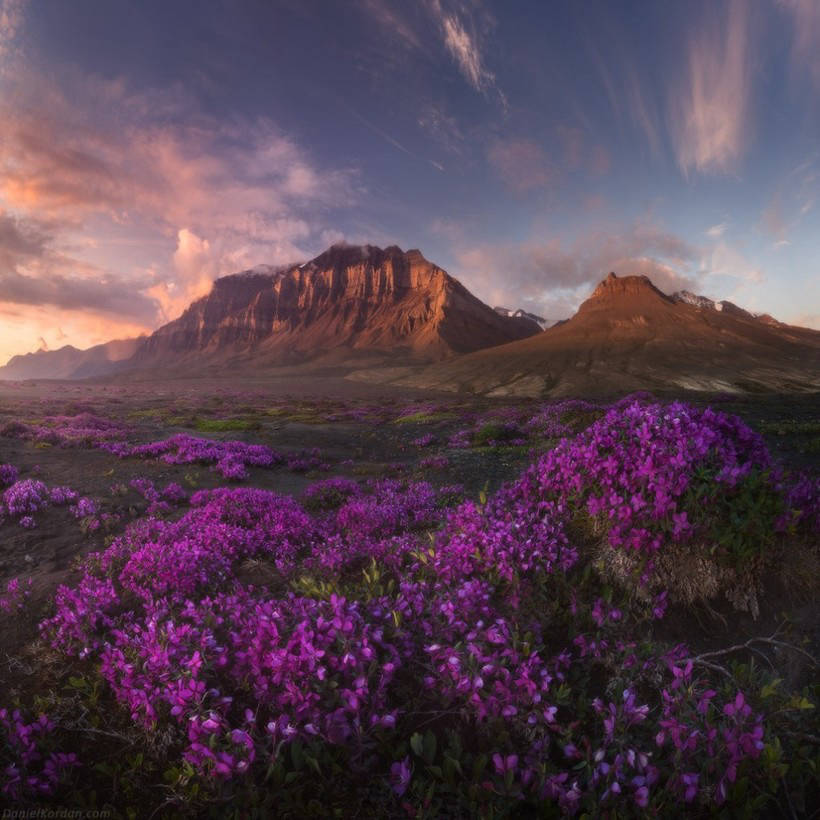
425	418
154	413
225	425
792	427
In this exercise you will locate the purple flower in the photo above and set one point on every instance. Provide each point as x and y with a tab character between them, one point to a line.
400	773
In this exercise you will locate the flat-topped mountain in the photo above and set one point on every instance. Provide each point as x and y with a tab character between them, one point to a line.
629	335
349	298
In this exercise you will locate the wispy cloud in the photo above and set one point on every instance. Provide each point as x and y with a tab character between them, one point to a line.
392	20
442	127
462	31
644	112
805	15
465	52
717	230
709	120
521	164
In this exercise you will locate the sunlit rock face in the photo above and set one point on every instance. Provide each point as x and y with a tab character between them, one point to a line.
357	297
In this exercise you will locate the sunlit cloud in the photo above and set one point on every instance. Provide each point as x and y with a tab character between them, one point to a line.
228	194
709	121
11	22
548	274
717	230
58	327
465	52
462	37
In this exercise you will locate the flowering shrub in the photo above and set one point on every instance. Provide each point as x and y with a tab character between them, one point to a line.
656	477
306	460
330	493
27	767
60	496
395	645
8	474
15	597
228	458
24	498
434	463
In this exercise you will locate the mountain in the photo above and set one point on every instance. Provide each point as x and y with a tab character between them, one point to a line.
523	314
348	300
629	335
69	362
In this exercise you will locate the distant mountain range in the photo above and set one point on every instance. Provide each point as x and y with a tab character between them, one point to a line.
629	335
390	316
69	362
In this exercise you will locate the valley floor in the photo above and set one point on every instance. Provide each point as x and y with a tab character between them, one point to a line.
95	442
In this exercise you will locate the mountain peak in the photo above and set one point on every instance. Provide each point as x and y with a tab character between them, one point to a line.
623	291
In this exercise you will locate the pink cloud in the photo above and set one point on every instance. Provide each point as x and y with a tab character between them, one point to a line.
521	164
80	175
709	121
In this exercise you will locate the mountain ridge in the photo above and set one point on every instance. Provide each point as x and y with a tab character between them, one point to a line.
392	317
629	335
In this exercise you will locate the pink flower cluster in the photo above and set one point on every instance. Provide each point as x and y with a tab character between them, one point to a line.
27	767
229	458
385	605
8	474
15	597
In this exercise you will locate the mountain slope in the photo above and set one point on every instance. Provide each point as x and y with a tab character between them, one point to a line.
69	362
629	335
347	299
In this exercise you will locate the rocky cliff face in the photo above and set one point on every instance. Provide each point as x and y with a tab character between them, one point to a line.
349	297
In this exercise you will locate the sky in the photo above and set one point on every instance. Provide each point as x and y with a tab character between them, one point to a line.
527	148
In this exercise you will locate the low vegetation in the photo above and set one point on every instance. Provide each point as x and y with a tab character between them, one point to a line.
408	648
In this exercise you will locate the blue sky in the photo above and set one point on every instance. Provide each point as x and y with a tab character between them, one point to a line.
528	148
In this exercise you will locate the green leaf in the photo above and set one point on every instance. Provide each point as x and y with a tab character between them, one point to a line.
296	754
770	688
417	744
429	746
